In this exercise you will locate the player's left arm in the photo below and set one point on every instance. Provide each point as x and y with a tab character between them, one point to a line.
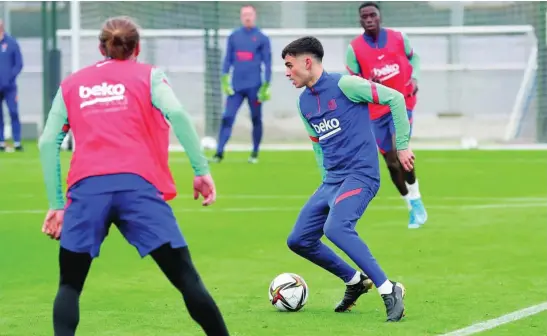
352	65
413	57
315	143
18	61
360	90
266	55
267	58
49	145
165	100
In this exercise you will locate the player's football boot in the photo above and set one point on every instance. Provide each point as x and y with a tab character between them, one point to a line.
217	158
18	148
395	307
412	224
353	292
418	212
253	158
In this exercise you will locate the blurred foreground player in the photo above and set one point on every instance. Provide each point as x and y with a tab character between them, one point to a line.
386	57
11	64
117	111
334	110
246	49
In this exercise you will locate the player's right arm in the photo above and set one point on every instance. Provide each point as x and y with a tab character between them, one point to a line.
227	64
165	100
229	57
315	143
49	144
352	65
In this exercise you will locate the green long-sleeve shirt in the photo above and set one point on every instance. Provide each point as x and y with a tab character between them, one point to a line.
163	98
358	91
413	58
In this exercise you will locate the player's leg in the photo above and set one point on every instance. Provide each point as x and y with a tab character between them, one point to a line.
305	239
255	106
2	140
178	267
85	225
382	129
13	107
418	214
347	206
148	223
233	103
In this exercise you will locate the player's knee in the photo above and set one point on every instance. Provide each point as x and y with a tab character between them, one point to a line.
13	113
296	243
392	161
228	121
256	120
332	232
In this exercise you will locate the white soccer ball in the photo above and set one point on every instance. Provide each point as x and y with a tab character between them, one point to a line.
208	143
288	292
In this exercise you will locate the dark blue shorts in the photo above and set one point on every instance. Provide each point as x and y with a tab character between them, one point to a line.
384	131
140	213
334	203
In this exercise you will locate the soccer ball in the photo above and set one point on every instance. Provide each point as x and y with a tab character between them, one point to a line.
208	143
288	292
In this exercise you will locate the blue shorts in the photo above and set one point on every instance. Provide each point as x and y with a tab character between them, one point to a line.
140	213
384	131
335	203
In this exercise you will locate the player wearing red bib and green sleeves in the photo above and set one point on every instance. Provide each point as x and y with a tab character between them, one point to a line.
118	110
387	57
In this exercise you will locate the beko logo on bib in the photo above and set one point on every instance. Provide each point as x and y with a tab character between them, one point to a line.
103	90
104	93
331	126
386	72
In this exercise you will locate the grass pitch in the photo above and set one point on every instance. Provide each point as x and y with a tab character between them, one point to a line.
482	254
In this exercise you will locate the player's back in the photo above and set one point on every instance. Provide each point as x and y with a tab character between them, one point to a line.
115	125
343	130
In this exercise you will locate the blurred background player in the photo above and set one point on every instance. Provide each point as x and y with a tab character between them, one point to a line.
126	132
346	153
385	56
11	64
246	49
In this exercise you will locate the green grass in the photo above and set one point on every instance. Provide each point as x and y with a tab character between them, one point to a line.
482	254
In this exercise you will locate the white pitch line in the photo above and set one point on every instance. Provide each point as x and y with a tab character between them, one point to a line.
493	323
294	209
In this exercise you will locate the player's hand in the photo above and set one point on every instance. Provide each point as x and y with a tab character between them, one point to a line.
53	223
406	157
225	85
414	86
205	186
264	93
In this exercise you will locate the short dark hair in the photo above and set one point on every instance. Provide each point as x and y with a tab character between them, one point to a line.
304	45
369	4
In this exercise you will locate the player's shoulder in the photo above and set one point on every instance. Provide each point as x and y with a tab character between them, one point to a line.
395	32
335	78
236	31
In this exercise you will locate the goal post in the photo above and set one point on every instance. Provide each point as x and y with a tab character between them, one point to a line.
483	96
